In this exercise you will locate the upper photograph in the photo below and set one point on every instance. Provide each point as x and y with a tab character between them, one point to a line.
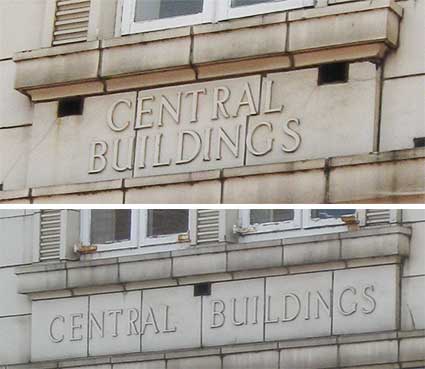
212	101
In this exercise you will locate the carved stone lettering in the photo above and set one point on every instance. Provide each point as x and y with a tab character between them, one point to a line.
255	310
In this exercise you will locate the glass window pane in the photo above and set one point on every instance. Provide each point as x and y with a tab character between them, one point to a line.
236	3
159	9
259	216
331	213
109	226
165	222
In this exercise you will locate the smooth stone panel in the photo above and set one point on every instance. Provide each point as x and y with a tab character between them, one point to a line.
306	312
11	301
207	362
18	234
14	150
15	339
316	121
403	113
15	108
68	320
309	357
118	315
68	142
412	303
233	313
182	328
409	57
365	300
415	263
21	26
252	360
206	192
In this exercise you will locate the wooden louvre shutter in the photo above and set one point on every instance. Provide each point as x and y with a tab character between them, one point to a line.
378	216
71	21
208	226
50	234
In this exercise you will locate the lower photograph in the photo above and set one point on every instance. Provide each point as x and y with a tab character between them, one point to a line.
212	288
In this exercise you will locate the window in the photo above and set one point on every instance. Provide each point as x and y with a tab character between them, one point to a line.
268	220
267	224
323	217
149	15
125	229
109	226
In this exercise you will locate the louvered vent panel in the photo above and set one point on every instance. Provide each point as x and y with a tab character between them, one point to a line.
71	22
377	216
50	230
208	226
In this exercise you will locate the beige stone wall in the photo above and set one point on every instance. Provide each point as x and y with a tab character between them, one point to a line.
391	116
373	253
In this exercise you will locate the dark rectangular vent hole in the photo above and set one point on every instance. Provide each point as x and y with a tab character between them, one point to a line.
333	73
419	141
69	107
202	289
1	186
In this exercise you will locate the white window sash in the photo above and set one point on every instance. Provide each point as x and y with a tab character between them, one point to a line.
225	10
85	223
247	228
129	25
177	238
214	10
310	222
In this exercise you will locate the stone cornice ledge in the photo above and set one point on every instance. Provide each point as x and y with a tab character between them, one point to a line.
352	31
225	261
398	349
322	165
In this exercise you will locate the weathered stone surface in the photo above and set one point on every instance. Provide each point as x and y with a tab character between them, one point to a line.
118	316
403	116
340	114
182	329
368	353
66	162
309	357
15	334
15	108
412	300
365	300
16	234
64	321
296	317
233	313
18	28
408	58
254	360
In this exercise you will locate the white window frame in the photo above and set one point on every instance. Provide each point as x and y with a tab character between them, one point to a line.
310	222
120	245
129	25
246	228
162	239
214	10
138	233
225	11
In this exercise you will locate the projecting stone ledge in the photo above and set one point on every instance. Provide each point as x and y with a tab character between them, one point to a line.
219	262
285	40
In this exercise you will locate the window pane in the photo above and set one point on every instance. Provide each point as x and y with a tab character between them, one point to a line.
158	9
109	226
163	222
236	3
331	213
270	215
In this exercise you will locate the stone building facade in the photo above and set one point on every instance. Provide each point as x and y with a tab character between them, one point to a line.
212	289
126	101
